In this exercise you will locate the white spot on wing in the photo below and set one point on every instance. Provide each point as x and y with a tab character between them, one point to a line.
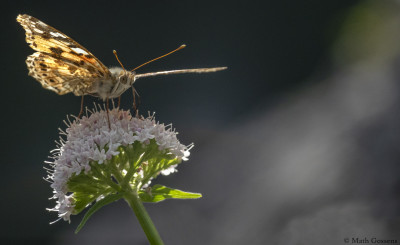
79	51
56	34
41	23
38	30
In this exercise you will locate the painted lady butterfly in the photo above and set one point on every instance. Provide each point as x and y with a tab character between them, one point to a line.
63	66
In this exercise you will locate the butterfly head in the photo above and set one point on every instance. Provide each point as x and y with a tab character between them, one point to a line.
112	86
122	80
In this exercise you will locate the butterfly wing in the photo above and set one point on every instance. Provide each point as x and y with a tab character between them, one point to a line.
61	64
59	76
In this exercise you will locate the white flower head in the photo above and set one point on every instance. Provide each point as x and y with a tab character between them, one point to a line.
96	158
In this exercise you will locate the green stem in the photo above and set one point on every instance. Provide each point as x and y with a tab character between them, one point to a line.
144	219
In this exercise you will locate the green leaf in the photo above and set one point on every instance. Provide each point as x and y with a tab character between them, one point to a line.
107	200
158	193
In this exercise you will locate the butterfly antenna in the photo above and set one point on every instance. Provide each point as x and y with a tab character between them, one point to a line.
116	56
162	56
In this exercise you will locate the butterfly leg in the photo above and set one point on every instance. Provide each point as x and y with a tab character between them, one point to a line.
81	111
108	113
119	101
135	105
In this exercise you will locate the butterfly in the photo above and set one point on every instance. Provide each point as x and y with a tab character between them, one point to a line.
64	66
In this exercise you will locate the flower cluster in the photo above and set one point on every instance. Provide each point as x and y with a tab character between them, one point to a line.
93	143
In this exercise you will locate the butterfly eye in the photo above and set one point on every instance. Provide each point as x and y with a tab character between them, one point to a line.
122	79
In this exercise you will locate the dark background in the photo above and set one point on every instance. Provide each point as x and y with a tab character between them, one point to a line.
296	143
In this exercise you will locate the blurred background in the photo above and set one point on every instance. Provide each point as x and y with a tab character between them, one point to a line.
296	143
